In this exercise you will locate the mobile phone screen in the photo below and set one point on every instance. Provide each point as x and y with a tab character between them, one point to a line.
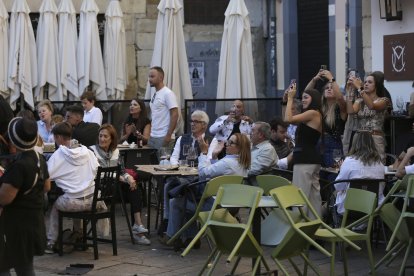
292	81
324	67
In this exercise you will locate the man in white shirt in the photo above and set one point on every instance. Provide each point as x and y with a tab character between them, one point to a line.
164	111
73	169
92	113
264	157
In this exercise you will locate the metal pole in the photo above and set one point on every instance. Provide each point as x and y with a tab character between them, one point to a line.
271	49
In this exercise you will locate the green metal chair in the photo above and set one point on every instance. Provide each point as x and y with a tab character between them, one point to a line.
234	239
293	197
273	225
408	184
269	182
210	190
398	222
357	200
296	229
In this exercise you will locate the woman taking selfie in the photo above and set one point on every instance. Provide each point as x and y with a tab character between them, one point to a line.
306	156
370	108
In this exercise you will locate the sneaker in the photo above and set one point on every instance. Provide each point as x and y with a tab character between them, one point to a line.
50	248
139	229
143	240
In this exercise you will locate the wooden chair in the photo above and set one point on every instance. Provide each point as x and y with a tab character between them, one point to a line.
105	185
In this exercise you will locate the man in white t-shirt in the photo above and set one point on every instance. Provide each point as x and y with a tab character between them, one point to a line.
164	111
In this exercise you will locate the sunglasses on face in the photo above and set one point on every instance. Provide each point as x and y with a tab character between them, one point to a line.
230	143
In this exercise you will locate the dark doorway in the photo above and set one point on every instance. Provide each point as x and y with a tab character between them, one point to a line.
313	38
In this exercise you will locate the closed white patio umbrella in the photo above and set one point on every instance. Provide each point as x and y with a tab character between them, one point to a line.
67	41
4	51
236	74
22	69
115	52
47	53
169	51
89	53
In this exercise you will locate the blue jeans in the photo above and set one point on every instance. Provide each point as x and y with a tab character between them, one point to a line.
329	144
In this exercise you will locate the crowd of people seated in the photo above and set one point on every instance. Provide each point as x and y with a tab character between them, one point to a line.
302	140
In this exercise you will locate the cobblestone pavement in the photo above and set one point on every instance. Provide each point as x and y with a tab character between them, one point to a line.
158	259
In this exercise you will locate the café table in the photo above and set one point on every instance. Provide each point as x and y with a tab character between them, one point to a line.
162	172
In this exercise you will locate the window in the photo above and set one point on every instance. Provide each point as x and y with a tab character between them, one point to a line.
207	12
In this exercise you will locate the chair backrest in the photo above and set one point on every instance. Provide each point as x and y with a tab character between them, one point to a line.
367	184
268	182
105	185
214	184
288	174
288	196
390	216
295	242
143	156
361	201
239	195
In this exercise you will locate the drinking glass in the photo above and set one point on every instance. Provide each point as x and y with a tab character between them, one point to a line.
400	104
183	165
164	153
192	156
185	149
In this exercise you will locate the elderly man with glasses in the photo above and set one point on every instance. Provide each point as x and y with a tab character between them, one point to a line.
199	123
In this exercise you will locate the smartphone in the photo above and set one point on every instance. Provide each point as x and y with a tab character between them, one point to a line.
324	67
292	81
352	73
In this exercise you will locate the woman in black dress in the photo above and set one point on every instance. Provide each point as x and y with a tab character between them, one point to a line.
306	155
22	189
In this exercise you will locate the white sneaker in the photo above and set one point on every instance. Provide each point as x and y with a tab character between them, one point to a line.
143	240
139	229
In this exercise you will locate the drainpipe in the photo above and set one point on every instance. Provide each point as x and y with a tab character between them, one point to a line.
270	32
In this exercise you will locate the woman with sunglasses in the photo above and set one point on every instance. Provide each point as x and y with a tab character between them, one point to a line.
306	154
236	162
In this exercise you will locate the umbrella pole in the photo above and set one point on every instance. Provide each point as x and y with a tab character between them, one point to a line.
21	102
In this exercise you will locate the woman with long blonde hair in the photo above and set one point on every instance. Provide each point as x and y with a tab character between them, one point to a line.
236	162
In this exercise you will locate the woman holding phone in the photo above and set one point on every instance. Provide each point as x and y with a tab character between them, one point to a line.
370	107
334	115
306	157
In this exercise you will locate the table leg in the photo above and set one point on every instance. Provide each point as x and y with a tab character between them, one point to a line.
149	188
256	230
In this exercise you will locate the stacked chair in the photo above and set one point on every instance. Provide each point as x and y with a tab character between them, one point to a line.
360	201
230	236
401	223
210	190
303	230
